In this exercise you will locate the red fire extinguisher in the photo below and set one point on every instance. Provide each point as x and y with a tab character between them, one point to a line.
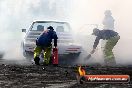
55	56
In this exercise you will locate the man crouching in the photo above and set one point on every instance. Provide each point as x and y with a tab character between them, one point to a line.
43	42
112	38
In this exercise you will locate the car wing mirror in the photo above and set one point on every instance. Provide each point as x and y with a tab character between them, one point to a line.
24	30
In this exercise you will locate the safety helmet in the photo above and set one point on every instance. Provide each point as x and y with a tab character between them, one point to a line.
95	31
50	27
107	12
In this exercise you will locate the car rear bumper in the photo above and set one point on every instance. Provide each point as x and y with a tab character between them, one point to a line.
62	49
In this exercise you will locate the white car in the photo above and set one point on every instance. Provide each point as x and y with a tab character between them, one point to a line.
66	45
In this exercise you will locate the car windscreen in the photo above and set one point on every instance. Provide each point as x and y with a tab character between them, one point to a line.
58	27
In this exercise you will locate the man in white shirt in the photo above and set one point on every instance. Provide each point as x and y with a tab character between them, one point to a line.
108	21
108	24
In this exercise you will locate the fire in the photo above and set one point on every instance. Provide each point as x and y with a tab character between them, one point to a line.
81	71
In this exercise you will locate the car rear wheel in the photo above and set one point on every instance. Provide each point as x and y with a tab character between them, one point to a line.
28	55
1	55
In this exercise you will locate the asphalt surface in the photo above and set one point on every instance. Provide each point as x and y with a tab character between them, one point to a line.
24	74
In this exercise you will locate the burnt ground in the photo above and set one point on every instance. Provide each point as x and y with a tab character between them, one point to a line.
14	74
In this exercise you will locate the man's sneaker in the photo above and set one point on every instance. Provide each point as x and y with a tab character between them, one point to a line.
37	60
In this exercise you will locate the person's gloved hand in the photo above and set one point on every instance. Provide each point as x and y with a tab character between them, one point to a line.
89	56
36	42
92	51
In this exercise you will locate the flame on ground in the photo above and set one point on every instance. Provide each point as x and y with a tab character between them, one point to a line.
81	71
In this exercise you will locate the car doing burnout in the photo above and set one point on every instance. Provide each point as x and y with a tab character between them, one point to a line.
66	45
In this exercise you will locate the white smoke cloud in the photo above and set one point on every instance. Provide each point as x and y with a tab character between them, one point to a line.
18	14
92	12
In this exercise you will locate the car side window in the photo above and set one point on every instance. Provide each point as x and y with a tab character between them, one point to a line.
40	28
60	29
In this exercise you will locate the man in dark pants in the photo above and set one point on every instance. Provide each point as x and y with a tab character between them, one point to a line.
44	43
112	38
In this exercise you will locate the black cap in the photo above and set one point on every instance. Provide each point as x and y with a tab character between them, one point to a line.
95	31
50	27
